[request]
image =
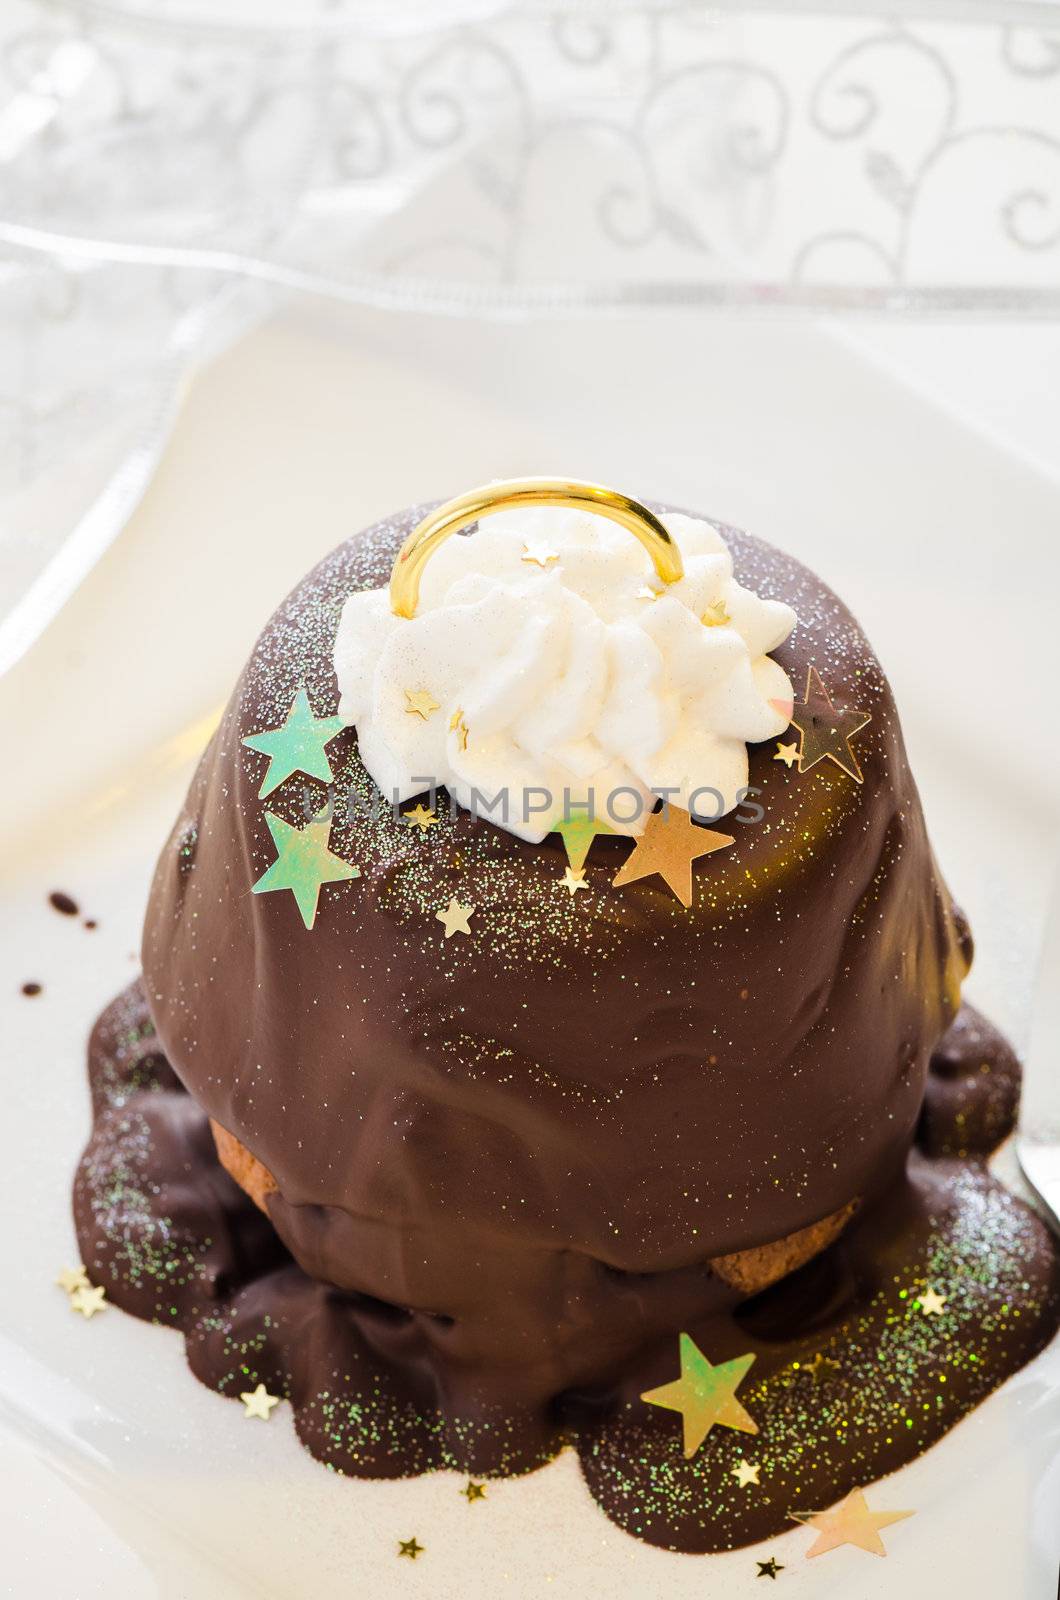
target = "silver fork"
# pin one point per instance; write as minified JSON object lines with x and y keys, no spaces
{"x":1038,"y":1133}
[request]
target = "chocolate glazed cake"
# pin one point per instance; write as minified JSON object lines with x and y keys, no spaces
{"x":456,"y":1191}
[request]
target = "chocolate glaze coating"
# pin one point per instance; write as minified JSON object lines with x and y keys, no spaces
{"x":850,"y":1378}
{"x":973,"y":1090}
{"x":534,"y":1139}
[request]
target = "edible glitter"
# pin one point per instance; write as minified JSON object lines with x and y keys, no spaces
{"x":155,"y":1238}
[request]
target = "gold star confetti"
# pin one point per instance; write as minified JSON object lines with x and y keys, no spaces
{"x":421,"y":817}
{"x":421,"y":703}
{"x":578,"y":833}
{"x":539,"y":555}
{"x":821,"y":1366}
{"x":88,"y":1301}
{"x":458,"y":725}
{"x":573,"y":881}
{"x":850,"y":1522}
{"x":410,"y":1548}
{"x":715,"y":616}
{"x":932,"y":1304}
{"x":704,"y":1394}
{"x":455,"y":917}
{"x":296,"y":747}
{"x":667,"y":847}
{"x":473,"y":1492}
{"x":71,"y":1278}
{"x":746,"y":1472}
{"x":827,"y":729}
{"x":769,"y":1569}
{"x":788,"y":753}
{"x":259,"y":1402}
{"x":303,"y":863}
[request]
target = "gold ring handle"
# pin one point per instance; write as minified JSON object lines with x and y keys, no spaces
{"x":477,"y":503}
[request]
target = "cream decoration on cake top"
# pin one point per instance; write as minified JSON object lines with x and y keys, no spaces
{"x":559,"y":665}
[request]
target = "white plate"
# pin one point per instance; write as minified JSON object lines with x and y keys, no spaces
{"x":121,"y":1475}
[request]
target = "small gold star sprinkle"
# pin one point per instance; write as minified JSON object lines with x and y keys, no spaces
{"x":827,"y":729}
{"x":458,"y":725}
{"x":704,"y":1394}
{"x":539,"y":555}
{"x":421,"y":817}
{"x":259,"y":1402}
{"x":850,"y":1522}
{"x":88,"y":1301}
{"x":769,"y":1569}
{"x":410,"y":1548}
{"x":788,"y":753}
{"x":455,"y":918}
{"x":573,"y":881}
{"x":71,"y":1278}
{"x":420,"y":703}
{"x":821,"y":1366}
{"x":473,"y":1492}
{"x":667,"y":847}
{"x":296,"y":747}
{"x":715,"y":616}
{"x":578,"y":833}
{"x":932,"y":1304}
{"x":746,"y":1472}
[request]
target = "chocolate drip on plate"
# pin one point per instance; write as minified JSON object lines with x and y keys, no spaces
{"x":851,"y":1378}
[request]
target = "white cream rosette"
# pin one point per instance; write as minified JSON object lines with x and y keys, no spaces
{"x":566,"y":673}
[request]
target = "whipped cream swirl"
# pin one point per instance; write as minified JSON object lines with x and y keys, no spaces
{"x":550,"y":666}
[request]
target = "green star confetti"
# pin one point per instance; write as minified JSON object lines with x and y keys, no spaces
{"x":296,"y":747}
{"x":303,"y":863}
{"x":704,"y":1394}
{"x":578,"y":834}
